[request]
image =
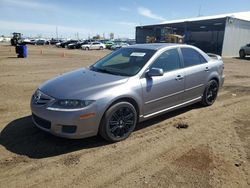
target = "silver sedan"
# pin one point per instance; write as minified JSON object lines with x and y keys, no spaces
{"x":127,"y":86}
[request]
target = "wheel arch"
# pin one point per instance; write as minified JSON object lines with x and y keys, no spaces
{"x":121,"y":99}
{"x":125,"y":99}
{"x":216,"y":79}
{"x":214,"y":76}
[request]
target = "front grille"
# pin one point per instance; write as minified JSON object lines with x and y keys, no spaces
{"x":41,"y":122}
{"x":39,"y":98}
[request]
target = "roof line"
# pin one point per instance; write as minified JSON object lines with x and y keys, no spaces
{"x":239,"y":15}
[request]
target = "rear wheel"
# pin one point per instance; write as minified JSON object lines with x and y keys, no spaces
{"x":210,"y":93}
{"x":87,"y":48}
{"x":101,"y":48}
{"x":118,"y":122}
{"x":242,"y":54}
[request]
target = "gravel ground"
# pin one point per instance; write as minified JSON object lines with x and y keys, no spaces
{"x":213,"y":151}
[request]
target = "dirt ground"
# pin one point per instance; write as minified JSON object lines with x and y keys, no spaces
{"x":214,"y":151}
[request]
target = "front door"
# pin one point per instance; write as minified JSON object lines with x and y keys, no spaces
{"x":162,"y":92}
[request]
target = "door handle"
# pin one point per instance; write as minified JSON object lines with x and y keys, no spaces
{"x":207,"y":69}
{"x":179,"y":77}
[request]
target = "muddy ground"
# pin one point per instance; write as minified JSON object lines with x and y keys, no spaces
{"x":214,"y":151}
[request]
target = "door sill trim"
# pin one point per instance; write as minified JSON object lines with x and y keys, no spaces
{"x":173,"y":107}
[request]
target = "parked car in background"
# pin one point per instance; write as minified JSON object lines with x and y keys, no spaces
{"x":54,"y":41}
{"x":65,"y":43}
{"x":108,"y":44}
{"x":244,"y":50}
{"x":126,"y":87}
{"x":40,"y":42}
{"x":27,"y":41}
{"x":93,"y":46}
{"x":76,"y":45}
{"x":119,"y":45}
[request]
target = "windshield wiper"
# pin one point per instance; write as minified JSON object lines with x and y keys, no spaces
{"x":98,"y":69}
{"x":106,"y":71}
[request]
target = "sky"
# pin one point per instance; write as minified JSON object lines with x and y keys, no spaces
{"x":86,"y":18}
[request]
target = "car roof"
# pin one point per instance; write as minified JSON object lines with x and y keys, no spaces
{"x":154,"y":46}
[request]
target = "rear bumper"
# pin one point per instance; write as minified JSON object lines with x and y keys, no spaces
{"x":222,"y":81}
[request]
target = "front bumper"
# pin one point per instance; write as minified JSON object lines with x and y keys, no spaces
{"x":66,"y":124}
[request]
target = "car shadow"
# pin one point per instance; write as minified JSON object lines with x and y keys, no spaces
{"x":166,"y":116}
{"x":246,"y":58}
{"x":22,"y":137}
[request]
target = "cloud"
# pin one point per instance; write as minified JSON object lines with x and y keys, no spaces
{"x":129,"y":24}
{"x":28,"y":4}
{"x":41,"y":28}
{"x":148,"y":13}
{"x":124,"y":9}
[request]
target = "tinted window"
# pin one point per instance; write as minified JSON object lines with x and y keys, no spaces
{"x":191,"y":57}
{"x":168,"y":60}
{"x":96,"y":43}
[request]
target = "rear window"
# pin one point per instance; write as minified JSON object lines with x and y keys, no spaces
{"x":191,"y":57}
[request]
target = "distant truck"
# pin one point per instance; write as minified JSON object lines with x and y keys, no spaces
{"x":165,"y":35}
{"x":244,"y":50}
{"x":16,"y":39}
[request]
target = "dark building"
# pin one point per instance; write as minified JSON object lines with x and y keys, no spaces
{"x":221,"y":34}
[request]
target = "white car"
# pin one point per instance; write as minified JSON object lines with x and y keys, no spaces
{"x":244,"y":50}
{"x":119,"y":45}
{"x":93,"y":46}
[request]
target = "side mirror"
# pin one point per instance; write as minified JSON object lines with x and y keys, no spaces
{"x":154,"y":72}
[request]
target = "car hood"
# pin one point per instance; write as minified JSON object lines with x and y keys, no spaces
{"x":80,"y":84}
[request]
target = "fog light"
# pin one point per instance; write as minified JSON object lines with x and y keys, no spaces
{"x":69,"y":129}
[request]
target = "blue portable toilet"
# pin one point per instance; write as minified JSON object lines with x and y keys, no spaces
{"x":25,"y":51}
{"x":21,"y":51}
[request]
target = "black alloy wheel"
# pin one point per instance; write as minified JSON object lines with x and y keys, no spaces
{"x":118,"y":122}
{"x":210,"y":93}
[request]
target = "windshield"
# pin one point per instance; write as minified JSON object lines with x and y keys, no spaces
{"x":124,"y":62}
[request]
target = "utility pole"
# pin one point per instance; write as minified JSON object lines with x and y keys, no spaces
{"x":56,"y":34}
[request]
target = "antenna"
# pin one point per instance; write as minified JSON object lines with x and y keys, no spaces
{"x":199,"y":12}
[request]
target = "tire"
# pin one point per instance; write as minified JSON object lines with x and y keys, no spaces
{"x":101,"y":48}
{"x":118,"y":122}
{"x":87,"y":48}
{"x":242,"y":54}
{"x":210,"y":93}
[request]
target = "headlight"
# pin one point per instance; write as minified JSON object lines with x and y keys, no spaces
{"x":69,"y":105}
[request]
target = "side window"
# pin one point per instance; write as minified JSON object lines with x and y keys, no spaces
{"x":168,"y":61}
{"x":202,"y":59}
{"x":191,"y":57}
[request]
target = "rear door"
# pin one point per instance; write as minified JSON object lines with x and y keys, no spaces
{"x":162,"y":92}
{"x":96,"y":45}
{"x":196,"y":70}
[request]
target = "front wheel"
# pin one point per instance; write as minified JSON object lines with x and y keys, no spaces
{"x":118,"y":122}
{"x":210,"y":93}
